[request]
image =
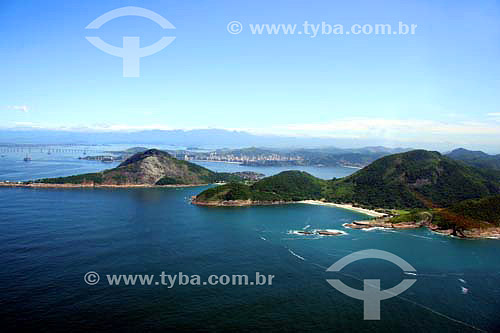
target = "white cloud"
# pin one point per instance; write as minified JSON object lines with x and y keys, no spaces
{"x":123,"y":127}
{"x":23,"y":108}
{"x":381,"y":127}
{"x":494,"y":114}
{"x":386,"y":129}
{"x":100,"y":127}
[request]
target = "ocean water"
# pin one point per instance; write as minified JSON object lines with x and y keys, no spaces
{"x":51,"y":237}
{"x":43,"y":165}
{"x":320,"y":172}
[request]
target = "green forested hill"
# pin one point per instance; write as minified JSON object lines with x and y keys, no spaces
{"x":417,"y":178}
{"x":413,"y":179}
{"x":485,"y":209}
{"x":285,"y":186}
{"x":292,"y":185}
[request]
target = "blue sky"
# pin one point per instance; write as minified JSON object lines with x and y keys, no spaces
{"x":439,"y":85}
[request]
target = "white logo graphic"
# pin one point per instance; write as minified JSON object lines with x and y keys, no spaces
{"x":371,"y":293}
{"x":234,"y":27}
{"x":91,"y":278}
{"x":131,"y":52}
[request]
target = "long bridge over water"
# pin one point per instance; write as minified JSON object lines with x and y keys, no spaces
{"x":48,"y":149}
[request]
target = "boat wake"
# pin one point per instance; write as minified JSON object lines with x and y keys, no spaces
{"x":296,"y":255}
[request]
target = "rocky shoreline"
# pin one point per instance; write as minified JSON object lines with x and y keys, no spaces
{"x":476,"y":233}
{"x":382,"y":223}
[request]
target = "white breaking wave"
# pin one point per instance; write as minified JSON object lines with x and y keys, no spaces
{"x":375,"y":228}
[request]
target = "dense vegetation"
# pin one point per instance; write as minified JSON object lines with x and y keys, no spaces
{"x":467,"y":214}
{"x":96,"y":178}
{"x":292,"y":186}
{"x":476,"y":158}
{"x":484,"y":209}
{"x":412,"y":216}
{"x":285,"y":186}
{"x":415,"y":179}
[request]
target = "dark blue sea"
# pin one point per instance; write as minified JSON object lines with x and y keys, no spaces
{"x":50,"y":238}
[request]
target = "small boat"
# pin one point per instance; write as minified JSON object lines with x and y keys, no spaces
{"x":27,"y":159}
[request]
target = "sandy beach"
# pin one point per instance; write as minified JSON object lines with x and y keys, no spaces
{"x":345,"y":206}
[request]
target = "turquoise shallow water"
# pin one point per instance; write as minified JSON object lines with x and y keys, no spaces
{"x":51,"y":237}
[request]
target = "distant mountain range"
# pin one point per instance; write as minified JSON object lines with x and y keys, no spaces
{"x":476,"y":158}
{"x":205,"y":138}
{"x":215,"y":138}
